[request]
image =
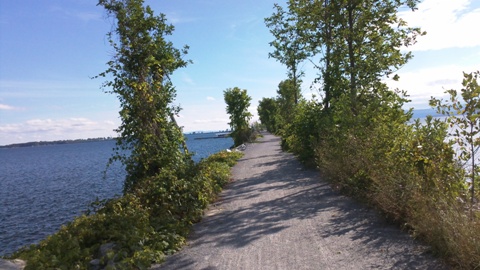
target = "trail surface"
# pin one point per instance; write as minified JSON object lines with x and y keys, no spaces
{"x":278,"y":215}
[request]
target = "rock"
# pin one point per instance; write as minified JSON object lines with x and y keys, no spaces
{"x":241,"y":147}
{"x":105,"y":248}
{"x":16,"y":264}
{"x":95,"y":264}
{"x":103,"y":262}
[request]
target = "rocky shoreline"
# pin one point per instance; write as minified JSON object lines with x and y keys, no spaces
{"x":12,"y":264}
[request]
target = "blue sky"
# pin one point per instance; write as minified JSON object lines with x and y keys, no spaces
{"x":49,"y":49}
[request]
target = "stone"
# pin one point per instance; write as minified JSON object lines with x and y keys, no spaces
{"x":16,"y":264}
{"x":95,"y":264}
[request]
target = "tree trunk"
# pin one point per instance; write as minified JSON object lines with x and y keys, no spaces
{"x":351,"y":55}
{"x":327,"y":72}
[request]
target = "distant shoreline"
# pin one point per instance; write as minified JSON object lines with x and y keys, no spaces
{"x":44,"y":143}
{"x":100,"y":139}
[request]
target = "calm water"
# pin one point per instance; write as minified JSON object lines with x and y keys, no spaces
{"x":43,"y":187}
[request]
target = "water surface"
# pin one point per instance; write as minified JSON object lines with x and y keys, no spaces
{"x":43,"y":187}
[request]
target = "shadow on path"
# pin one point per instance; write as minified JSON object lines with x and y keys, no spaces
{"x":271,"y":193}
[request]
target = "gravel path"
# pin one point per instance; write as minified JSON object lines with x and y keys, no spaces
{"x":278,"y":215}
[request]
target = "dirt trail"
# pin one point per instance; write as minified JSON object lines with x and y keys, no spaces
{"x":277,"y":215}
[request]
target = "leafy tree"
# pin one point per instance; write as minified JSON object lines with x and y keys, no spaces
{"x":464,"y":116}
{"x":268,"y":113}
{"x":301,"y":134}
{"x":238,"y":102}
{"x":287,"y":94}
{"x":289,"y":48}
{"x":140,"y":68}
{"x":358,"y":42}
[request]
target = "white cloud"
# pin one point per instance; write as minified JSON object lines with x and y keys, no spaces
{"x":55,"y":129}
{"x":210,"y":98}
{"x":48,"y":88}
{"x":187,"y":79}
{"x":208,"y":116}
{"x":421,"y":84}
{"x":108,"y":122}
{"x":449,"y":24}
{"x":175,"y":18}
{"x":85,"y":16}
{"x":213,"y":120}
{"x":5,"y":107}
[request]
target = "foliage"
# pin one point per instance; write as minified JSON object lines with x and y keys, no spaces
{"x":268,"y":114}
{"x":451,"y":232}
{"x":288,"y":46}
{"x":303,"y":131}
{"x":140,"y":68}
{"x":164,"y":191}
{"x":137,"y":224}
{"x":359,"y":135}
{"x":357,"y":42}
{"x":238,"y":101}
{"x":277,"y":114}
{"x":287,"y":95}
{"x":398,"y":167}
{"x":464,"y":118}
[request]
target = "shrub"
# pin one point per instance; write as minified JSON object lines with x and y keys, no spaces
{"x":407,"y":171}
{"x":143,"y":226}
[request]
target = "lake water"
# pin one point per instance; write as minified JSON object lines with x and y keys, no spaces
{"x":44,"y":187}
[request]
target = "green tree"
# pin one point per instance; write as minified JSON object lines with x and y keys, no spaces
{"x":268,"y":113}
{"x":287,"y":93}
{"x":288,"y":46}
{"x":464,"y":117}
{"x":358,"y":42}
{"x":238,"y":102}
{"x":139,"y":70}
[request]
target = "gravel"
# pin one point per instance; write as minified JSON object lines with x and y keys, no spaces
{"x":278,"y":215}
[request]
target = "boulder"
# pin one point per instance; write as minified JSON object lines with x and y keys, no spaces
{"x":96,"y":264}
{"x":12,"y":264}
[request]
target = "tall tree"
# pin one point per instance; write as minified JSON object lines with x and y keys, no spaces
{"x":289,"y":49}
{"x":359,"y":42}
{"x":268,"y":113}
{"x":313,"y":20}
{"x":288,"y":91}
{"x":238,"y":102}
{"x":464,"y":118}
{"x":140,"y":68}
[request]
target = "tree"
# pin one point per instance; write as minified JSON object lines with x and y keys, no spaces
{"x":358,"y":42}
{"x":139,"y":70}
{"x":289,"y":48}
{"x":287,"y":93}
{"x":238,"y":102}
{"x":464,"y":117}
{"x":268,"y":113}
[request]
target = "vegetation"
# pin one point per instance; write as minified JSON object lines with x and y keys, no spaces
{"x":141,"y":233}
{"x":140,"y":70}
{"x":358,"y":133}
{"x":238,"y":102}
{"x":268,"y":114}
{"x":164,"y":191}
{"x":289,"y":50}
{"x":464,"y":118}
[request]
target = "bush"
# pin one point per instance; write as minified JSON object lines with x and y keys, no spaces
{"x":142,"y":226}
{"x":450,"y":230}
{"x":300,"y":136}
{"x":407,"y":171}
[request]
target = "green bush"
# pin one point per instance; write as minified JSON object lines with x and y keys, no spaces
{"x":406,"y":170}
{"x":300,"y":136}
